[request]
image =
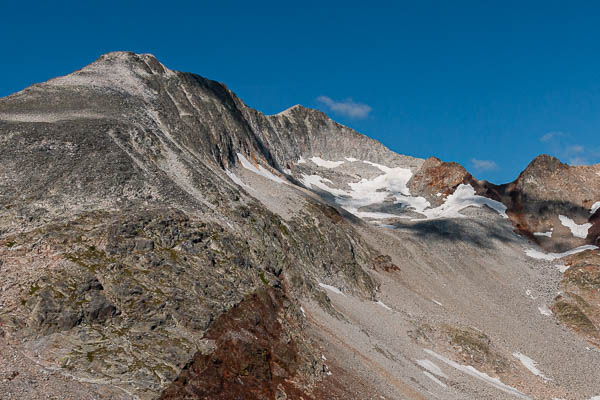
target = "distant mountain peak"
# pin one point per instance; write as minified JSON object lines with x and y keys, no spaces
{"x":299,"y":110}
{"x":115,"y":61}
{"x":545,"y":160}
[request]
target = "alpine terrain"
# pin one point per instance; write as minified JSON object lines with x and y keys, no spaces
{"x":159,"y":239}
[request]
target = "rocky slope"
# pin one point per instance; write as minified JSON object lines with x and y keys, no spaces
{"x":159,"y":238}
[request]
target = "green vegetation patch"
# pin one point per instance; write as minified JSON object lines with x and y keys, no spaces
{"x":34,"y":289}
{"x":573,"y":316}
{"x":264,"y":280}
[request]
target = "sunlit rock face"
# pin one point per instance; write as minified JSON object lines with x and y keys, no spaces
{"x":159,"y":238}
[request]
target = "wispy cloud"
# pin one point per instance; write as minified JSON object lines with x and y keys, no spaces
{"x":484,"y":165}
{"x":578,"y":161}
{"x":347,"y":107}
{"x":561,"y":145}
{"x":575,"y":149}
{"x":552,"y":136}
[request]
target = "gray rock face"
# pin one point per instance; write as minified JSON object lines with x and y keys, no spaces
{"x":142,"y":208}
{"x":114,"y":176}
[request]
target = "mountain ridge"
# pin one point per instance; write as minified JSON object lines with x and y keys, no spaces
{"x":143,"y":208}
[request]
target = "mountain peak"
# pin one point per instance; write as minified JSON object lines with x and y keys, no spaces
{"x":290,"y":109}
{"x":545,"y":159}
{"x":300,"y":110}
{"x":544,"y":164}
{"x":147,"y":62}
{"x":123,"y":71}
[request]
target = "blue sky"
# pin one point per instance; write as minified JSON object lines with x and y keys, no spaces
{"x":487,"y":84}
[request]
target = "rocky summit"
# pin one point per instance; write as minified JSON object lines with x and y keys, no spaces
{"x":161,"y":239}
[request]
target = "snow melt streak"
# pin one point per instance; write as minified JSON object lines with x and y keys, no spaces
{"x":260,"y":170}
{"x":331,"y":288}
{"x":553,"y":256}
{"x":469,"y":370}
{"x":530,"y":364}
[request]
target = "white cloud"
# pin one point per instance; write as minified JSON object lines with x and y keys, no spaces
{"x":484,"y":165}
{"x":346,"y":107}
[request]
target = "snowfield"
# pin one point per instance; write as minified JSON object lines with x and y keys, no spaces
{"x":464,"y":196}
{"x":324,"y":163}
{"x":392,"y":186}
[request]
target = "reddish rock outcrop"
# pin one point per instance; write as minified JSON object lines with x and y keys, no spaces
{"x":254,"y":354}
{"x":436,"y":176}
{"x":546,"y":189}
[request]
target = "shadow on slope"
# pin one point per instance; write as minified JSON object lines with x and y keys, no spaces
{"x":480,"y":233}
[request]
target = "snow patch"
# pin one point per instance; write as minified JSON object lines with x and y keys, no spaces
{"x":351,"y":159}
{"x":260,"y":170}
{"x":319,"y":182}
{"x":544,"y":310}
{"x":436,"y":380}
{"x":325,"y":163}
{"x":553,"y":256}
{"x":595,"y":207}
{"x":431,"y":367}
{"x":237,"y":180}
{"x":469,"y":370}
{"x":562,"y":268}
{"x":301,"y":160}
{"x":530,"y":364}
{"x":547,"y":234}
{"x":379,"y":302}
{"x":437,"y":302}
{"x":331,"y":288}
{"x":580,"y":231}
{"x":464,"y":196}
